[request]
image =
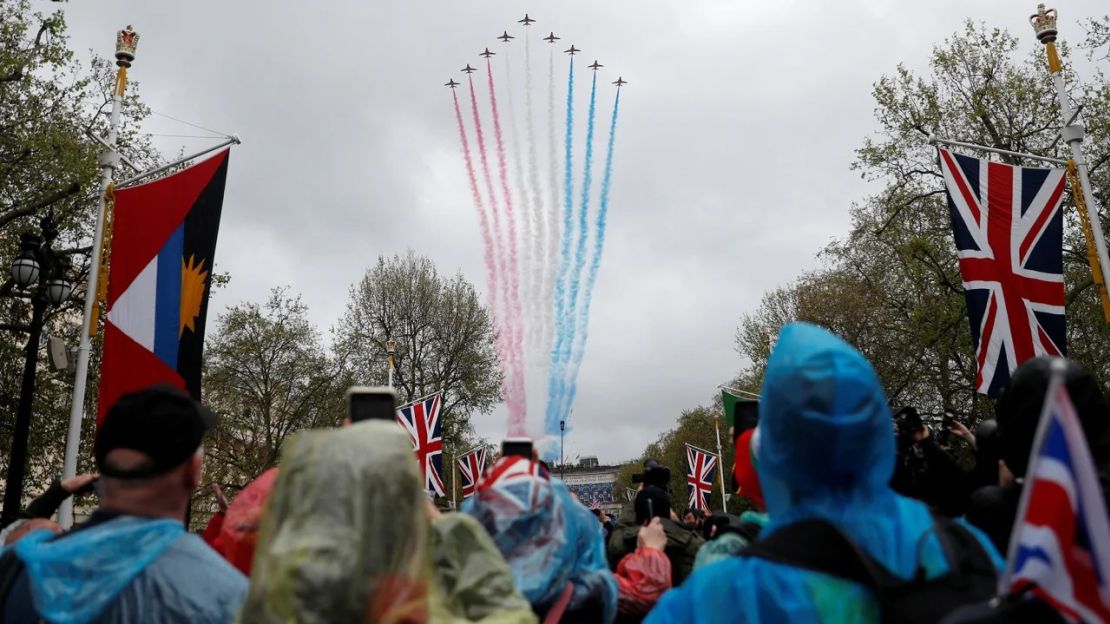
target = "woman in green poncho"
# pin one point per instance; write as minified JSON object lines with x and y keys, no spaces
{"x":345,"y":538}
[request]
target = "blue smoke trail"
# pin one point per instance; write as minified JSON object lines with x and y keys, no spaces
{"x":554,"y":379}
{"x":579,"y":253}
{"x":595,"y":264}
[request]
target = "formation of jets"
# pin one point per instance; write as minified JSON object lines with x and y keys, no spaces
{"x":505,"y":37}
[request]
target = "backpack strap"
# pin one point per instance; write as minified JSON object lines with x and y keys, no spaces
{"x":819,"y":546}
{"x":10,"y":568}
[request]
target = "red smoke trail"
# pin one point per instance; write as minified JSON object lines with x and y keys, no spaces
{"x":504,"y":329}
{"x":483,"y":217}
{"x":513,"y":311}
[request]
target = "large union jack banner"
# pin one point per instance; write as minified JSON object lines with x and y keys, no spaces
{"x":699,"y":477}
{"x":421,"y":420}
{"x":1008,"y":227}
{"x":471,"y":466}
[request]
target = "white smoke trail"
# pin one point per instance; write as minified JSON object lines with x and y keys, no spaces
{"x":551,"y":221}
{"x":527,"y":258}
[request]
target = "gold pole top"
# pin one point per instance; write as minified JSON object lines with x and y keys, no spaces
{"x":126,"y":41}
{"x":1044,"y":24}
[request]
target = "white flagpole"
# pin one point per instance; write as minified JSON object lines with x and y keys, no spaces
{"x":720,"y":464}
{"x":1044,"y":24}
{"x":126,"y":40}
{"x":390,"y":349}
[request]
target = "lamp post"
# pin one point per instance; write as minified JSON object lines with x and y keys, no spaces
{"x":37,"y":266}
{"x":562,"y":457}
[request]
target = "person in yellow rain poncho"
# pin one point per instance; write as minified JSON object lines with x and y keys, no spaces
{"x":347,"y":537}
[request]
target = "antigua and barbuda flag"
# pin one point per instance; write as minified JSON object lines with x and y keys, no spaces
{"x":162,"y":250}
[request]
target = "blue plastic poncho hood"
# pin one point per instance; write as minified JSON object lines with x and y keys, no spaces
{"x":826,"y":439}
{"x":73,"y":580}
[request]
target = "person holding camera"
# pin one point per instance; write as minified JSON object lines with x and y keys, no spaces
{"x":924,"y":470}
{"x":654,"y":501}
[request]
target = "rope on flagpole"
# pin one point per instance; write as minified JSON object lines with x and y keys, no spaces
{"x":1089,"y":235}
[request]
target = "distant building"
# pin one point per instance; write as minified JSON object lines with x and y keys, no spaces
{"x":593,"y":483}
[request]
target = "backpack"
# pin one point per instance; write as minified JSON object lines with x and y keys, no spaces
{"x":819,"y":546}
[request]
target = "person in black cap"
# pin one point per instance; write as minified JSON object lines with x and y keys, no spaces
{"x":132,"y":560}
{"x":682,"y":543}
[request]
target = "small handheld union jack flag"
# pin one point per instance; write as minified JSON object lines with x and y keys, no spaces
{"x":1008,"y":227}
{"x":699,"y":478}
{"x":471,"y":466}
{"x":421,"y":420}
{"x":1060,"y":547}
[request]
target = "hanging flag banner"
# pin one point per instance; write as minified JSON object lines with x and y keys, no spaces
{"x":421,"y":420}
{"x":162,"y":253}
{"x":699,"y":476}
{"x":471,"y":466}
{"x":1008,"y":227}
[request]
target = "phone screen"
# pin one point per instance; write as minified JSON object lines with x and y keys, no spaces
{"x":370,"y":405}
{"x":516,"y":446}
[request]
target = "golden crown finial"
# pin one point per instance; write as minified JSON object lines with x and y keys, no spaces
{"x":1044,"y":24}
{"x":126,"y":41}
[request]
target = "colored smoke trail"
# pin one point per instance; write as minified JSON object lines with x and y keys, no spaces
{"x":575,"y":280}
{"x":554,"y":380}
{"x":516,"y":399}
{"x":483,"y":217}
{"x":497,"y":287}
{"x":537,"y":252}
{"x":525,"y":258}
{"x":583,"y":331}
{"x":551,"y":222}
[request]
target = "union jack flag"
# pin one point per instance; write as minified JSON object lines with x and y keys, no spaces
{"x":471,"y":466}
{"x":1008,"y":227}
{"x":699,"y":478}
{"x":518,"y":482}
{"x":421,"y":420}
{"x":1060,"y":548}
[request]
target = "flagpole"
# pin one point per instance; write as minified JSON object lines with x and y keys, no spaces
{"x":720,"y":463}
{"x":390,"y":349}
{"x":454,"y":482}
{"x":1044,"y":24}
{"x":126,"y":41}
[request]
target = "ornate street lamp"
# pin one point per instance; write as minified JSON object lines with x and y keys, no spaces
{"x":37,"y":266}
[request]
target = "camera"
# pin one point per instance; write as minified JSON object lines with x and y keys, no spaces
{"x":656,"y":474}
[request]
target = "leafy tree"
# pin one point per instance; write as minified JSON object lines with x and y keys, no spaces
{"x":892,"y":286}
{"x":445,"y":341}
{"x":696,"y":427}
{"x":267,"y":375}
{"x":49,"y":103}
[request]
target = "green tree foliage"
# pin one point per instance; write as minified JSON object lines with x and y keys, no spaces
{"x":892,"y":286}
{"x":445,"y":342}
{"x":267,"y":374}
{"x":49,"y":102}
{"x":696,"y":427}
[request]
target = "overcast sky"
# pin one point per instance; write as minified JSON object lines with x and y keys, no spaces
{"x":731,"y":169}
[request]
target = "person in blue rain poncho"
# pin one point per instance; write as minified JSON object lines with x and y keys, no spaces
{"x":554,"y":546}
{"x":826,"y":452}
{"x":132,"y":560}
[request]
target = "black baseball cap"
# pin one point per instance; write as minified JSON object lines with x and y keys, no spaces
{"x":161,"y":422}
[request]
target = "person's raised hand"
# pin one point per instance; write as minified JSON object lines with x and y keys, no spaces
{"x":73,"y":485}
{"x":433,"y":512}
{"x":962,"y":431}
{"x":221,"y":500}
{"x":921,"y":434}
{"x":651,"y":535}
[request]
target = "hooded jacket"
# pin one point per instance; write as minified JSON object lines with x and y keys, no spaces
{"x":122,"y":569}
{"x":345,"y":538}
{"x":826,"y":451}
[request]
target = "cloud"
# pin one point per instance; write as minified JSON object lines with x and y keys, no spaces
{"x":732,"y":168}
